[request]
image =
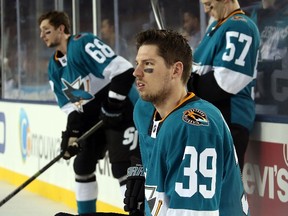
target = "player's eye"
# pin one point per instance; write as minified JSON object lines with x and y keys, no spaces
{"x":207,"y":5}
{"x":47,"y":32}
{"x":148,"y":63}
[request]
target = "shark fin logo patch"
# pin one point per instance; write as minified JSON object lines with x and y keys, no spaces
{"x":195,"y":117}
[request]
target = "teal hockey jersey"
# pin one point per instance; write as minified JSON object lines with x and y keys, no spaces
{"x":230,"y":52}
{"x":189,"y":160}
{"x":89,"y":66}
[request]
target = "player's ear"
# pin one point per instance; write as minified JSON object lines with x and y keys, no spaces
{"x":177,"y":69}
{"x":62,"y":28}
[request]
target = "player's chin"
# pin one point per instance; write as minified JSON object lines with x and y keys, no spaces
{"x":141,"y":90}
{"x":48,"y":44}
{"x":146,"y":97}
{"x":143,"y":95}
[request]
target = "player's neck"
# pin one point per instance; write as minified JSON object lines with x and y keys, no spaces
{"x":231,"y":8}
{"x":62,"y":47}
{"x":167,"y":105}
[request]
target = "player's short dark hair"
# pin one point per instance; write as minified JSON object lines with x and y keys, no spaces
{"x":57,"y":18}
{"x":172,"y":46}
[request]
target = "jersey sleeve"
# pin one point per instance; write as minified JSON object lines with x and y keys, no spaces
{"x":236,"y":54}
{"x":102,"y":61}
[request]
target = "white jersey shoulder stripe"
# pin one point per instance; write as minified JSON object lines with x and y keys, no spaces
{"x":116,"y":67}
{"x":231,"y":81}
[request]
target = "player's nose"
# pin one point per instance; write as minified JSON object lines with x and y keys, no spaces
{"x":138,"y":71}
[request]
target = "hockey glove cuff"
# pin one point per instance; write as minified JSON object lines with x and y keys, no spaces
{"x":134,"y":195}
{"x":112,"y":113}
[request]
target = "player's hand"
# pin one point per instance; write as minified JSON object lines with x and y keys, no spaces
{"x":112,"y":113}
{"x":69,"y":145}
{"x":134,"y":195}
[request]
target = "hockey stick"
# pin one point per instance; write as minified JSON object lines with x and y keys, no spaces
{"x":79,"y":140}
{"x":157,"y":14}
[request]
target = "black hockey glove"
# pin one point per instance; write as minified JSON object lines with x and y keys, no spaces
{"x":68,"y":144}
{"x":134,"y":195}
{"x":112,"y":113}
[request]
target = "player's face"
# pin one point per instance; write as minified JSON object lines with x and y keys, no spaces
{"x":50,"y":35}
{"x":217,"y":9}
{"x":207,"y":5}
{"x":153,"y":76}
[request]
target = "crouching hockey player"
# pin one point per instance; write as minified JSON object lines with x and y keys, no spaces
{"x":90,"y":83}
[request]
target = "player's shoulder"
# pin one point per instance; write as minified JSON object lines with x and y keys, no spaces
{"x":82,"y":36}
{"x":77,"y":43}
{"x":206,"y":106}
{"x":241,"y":23}
{"x":199,"y":113}
{"x":143,"y":107}
{"x":142,"y":114}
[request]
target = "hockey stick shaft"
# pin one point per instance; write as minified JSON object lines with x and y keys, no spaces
{"x":157,"y":14}
{"x":32,"y":178}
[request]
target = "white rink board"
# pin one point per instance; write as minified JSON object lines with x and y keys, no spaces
{"x":30,"y":136}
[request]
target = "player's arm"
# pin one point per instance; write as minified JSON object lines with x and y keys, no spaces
{"x":74,"y":129}
{"x":206,"y":87}
{"x":120,"y":73}
{"x":74,"y":125}
{"x":122,"y":83}
{"x":113,"y":107}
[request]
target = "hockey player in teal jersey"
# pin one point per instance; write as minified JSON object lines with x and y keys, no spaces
{"x":91,"y":83}
{"x":224,"y":69}
{"x":187,"y":150}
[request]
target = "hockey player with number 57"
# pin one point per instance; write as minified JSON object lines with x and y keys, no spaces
{"x":91,"y":83}
{"x":224,"y":69}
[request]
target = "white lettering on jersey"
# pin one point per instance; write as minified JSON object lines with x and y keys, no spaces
{"x":99,"y":51}
{"x":131,"y":137}
{"x":207,"y":170}
{"x":243,"y":38}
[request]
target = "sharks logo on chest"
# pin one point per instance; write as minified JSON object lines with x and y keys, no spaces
{"x":77,"y":92}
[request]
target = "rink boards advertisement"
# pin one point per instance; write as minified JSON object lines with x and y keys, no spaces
{"x":30,"y":136}
{"x":265,"y":173}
